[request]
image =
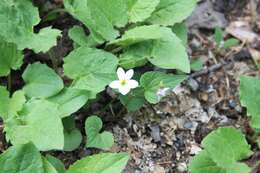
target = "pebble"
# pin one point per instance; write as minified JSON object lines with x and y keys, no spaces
{"x":194,"y":149}
{"x":177,"y":90}
{"x":159,"y":169}
{"x":232,"y":104}
{"x":193,"y":84}
{"x":224,"y":120}
{"x":155,"y":133}
{"x":192,"y":126}
{"x":182,"y":167}
{"x":213,"y":113}
{"x":188,"y":125}
{"x":238,"y":108}
{"x":204,"y":97}
{"x":204,"y":118}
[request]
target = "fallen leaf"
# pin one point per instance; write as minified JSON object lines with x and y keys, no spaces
{"x":242,"y":31}
{"x":256,"y":56}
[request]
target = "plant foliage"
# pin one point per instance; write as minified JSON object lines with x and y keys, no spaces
{"x":40,"y":115}
{"x":223,"y":149}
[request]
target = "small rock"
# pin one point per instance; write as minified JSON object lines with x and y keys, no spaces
{"x":213,"y":113}
{"x":182,"y":167}
{"x":194,"y":149}
{"x":159,"y":169}
{"x":178,"y":89}
{"x":204,"y":97}
{"x":232,"y":104}
{"x":179,"y":122}
{"x":192,"y":126}
{"x":188,"y":125}
{"x":223,"y":120}
{"x":204,"y":118}
{"x":210,"y":89}
{"x":178,"y":155}
{"x":193,"y":84}
{"x":155,"y":133}
{"x":238,"y":108}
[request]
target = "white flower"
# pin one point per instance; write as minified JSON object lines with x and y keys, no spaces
{"x":125,"y":83}
{"x":162,"y":92}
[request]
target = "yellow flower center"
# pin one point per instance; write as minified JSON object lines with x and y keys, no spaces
{"x":123,"y":82}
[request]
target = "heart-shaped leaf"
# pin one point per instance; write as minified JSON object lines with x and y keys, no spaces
{"x":25,"y":159}
{"x":104,"y":140}
{"x":100,"y":163}
{"x":56,"y":163}
{"x":72,"y":136}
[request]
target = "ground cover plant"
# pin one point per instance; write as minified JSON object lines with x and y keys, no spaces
{"x":123,"y":34}
{"x":127,"y":54}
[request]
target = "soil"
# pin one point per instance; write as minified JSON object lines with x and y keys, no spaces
{"x":162,"y":138}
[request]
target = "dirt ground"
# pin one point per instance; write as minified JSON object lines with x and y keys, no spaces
{"x":163,"y":138}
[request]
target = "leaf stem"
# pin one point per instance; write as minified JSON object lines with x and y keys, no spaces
{"x":58,"y":10}
{"x":9,"y":82}
{"x":53,"y":61}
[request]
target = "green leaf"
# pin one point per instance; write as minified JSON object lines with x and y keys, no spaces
{"x":70,"y":100}
{"x":223,"y":148}
{"x":38,"y":122}
{"x":10,"y":58}
{"x":218,"y":36}
{"x":10,"y":106}
{"x":23,"y":159}
{"x":181,"y":31}
{"x":135,"y":55}
{"x":169,"y":12}
{"x":130,"y":4}
{"x":103,"y":140}
{"x":230,"y":42}
{"x":47,"y":37}
{"x":163,"y":49}
{"x":73,"y":140}
{"x":16,"y":103}
{"x":41,"y":81}
{"x":134,"y":100}
{"x":203,"y":163}
{"x":17,"y":21}
{"x":4,"y":100}
{"x":153,"y":81}
{"x":250,"y":98}
{"x":142,"y":9}
{"x":72,"y":135}
{"x":139,"y":34}
{"x":230,"y":142}
{"x":91,"y":69}
{"x":48,"y":168}
{"x":94,"y":83}
{"x":56,"y":163}
{"x":78,"y":35}
{"x":101,"y":163}
{"x":100,"y":16}
{"x":169,"y":52}
{"x":196,"y":65}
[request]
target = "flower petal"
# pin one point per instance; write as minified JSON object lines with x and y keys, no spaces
{"x":132,"y":84}
{"x":121,"y":73}
{"x":115,"y":84}
{"x":124,"y":90}
{"x":129,"y":74}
